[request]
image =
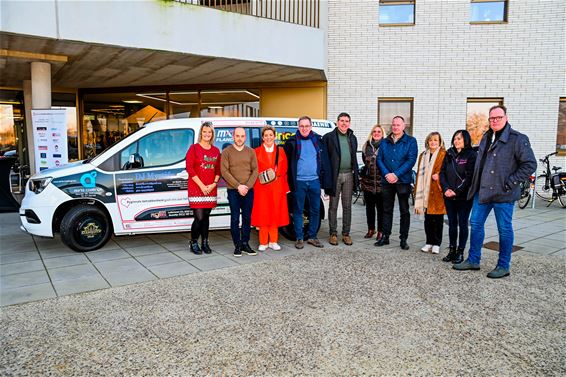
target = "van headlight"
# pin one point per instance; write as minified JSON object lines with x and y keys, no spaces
{"x":37,"y":185}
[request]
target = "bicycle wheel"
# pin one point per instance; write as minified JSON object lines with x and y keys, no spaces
{"x":562,"y":198}
{"x":542,"y":190}
{"x":525,"y":195}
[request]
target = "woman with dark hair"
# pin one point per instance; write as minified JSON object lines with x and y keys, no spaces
{"x":370,"y":182}
{"x":455,"y":179}
{"x":428,"y":193}
{"x":203,"y":167}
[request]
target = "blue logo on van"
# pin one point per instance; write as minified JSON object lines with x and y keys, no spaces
{"x":88,"y":180}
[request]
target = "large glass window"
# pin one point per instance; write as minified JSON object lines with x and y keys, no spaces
{"x":396,"y":12}
{"x":12,"y":126}
{"x":488,"y":11}
{"x":561,"y":132}
{"x":477,"y":114}
{"x":387,"y":108}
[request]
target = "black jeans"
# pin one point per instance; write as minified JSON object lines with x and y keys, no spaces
{"x":374,"y":202}
{"x":403,"y":191}
{"x":433,"y":225}
{"x":458,"y":212}
{"x":243,"y":204}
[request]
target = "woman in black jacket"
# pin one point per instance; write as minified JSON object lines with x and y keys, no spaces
{"x":455,"y":179}
{"x":370,"y":182}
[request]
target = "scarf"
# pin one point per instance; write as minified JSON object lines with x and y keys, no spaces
{"x":424,"y":178}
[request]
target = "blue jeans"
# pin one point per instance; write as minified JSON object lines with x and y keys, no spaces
{"x":503,"y":217}
{"x":244,"y":204}
{"x":307,"y":190}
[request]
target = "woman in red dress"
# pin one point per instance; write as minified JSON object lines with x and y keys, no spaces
{"x":270,"y":200}
{"x":203,"y":166}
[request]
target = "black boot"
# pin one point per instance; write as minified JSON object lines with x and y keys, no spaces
{"x":459,"y":256}
{"x":382,"y":241}
{"x":451,"y":255}
{"x":403,"y":244}
{"x":205,"y":246}
{"x":194,"y":247}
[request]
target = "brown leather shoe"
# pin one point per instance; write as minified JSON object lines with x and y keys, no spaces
{"x":370,"y":233}
{"x":347,"y":239}
{"x":333,"y":240}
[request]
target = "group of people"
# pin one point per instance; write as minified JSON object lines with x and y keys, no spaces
{"x":454,"y":182}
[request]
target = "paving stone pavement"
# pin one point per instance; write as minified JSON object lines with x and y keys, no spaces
{"x":35,"y":268}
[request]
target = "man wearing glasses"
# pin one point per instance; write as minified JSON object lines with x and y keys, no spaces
{"x":303,"y":151}
{"x":505,"y":158}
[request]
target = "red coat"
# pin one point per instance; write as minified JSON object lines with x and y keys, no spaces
{"x":270,"y":200}
{"x":205,"y":164}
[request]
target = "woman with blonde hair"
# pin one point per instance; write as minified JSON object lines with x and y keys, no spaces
{"x":270,"y":210}
{"x":429,"y":197}
{"x":203,"y":167}
{"x":370,"y":182}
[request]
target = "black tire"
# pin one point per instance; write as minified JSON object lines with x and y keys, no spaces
{"x":541,"y":190}
{"x":525,"y":194}
{"x":85,"y":228}
{"x":288,"y":231}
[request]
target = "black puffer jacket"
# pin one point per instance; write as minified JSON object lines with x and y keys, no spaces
{"x":371,"y":181}
{"x":457,"y":172}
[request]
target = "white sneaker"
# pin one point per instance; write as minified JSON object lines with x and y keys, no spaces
{"x":435,"y":249}
{"x":262,"y":247}
{"x":275,"y":246}
{"x":426,"y":248}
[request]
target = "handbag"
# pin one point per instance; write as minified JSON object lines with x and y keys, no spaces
{"x":268,"y":175}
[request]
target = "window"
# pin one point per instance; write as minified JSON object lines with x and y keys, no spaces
{"x":477,"y":114}
{"x":488,"y":11}
{"x":387,"y":108}
{"x":396,"y":12}
{"x":561,"y":132}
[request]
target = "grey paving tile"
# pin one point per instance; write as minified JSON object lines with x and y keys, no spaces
{"x":187,"y":255}
{"x":44,"y":244}
{"x":145,"y":250}
{"x":173,"y":269}
{"x":103,"y":255}
{"x":561,"y":253}
{"x":70,"y":260}
{"x":167,"y":237}
{"x":128,"y":242}
{"x":19,"y":267}
{"x":26,"y":294}
{"x":84,"y":284}
{"x":19,"y":257}
{"x":23,"y":279}
{"x":156,"y":259}
{"x":111,"y":245}
{"x":177,"y":245}
{"x":214,"y":262}
{"x":118,"y":265}
{"x":9,"y":246}
{"x":56,"y":253}
{"x":72,"y":272}
{"x":125,"y":277}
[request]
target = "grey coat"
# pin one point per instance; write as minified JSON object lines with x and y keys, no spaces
{"x":509,"y":161}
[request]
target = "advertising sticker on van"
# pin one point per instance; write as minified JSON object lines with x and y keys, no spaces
{"x":93,"y":184}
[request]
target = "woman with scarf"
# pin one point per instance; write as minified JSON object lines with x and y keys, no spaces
{"x":455,"y":179}
{"x":370,"y":182}
{"x":429,"y":198}
{"x":270,"y":210}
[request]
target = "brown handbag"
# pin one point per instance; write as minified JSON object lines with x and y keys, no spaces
{"x":268,"y":175}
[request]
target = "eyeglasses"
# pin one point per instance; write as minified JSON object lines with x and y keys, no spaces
{"x":494,"y":119}
{"x":309,"y":126}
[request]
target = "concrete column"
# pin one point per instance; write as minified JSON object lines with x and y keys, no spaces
{"x":41,"y":85}
{"x":30,"y":150}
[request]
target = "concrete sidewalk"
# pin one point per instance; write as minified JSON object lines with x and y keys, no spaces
{"x":34,"y":268}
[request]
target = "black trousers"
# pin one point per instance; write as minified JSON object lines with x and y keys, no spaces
{"x":403,"y":191}
{"x":433,"y":225}
{"x":458,"y":212}
{"x":374,"y":202}
{"x":200,"y":223}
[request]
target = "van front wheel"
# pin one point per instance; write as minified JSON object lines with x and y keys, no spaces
{"x":85,"y":228}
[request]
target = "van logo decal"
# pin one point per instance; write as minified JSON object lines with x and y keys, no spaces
{"x":88,"y":180}
{"x":125,"y":202}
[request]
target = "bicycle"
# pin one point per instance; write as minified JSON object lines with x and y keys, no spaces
{"x":526,"y":188}
{"x":551,"y":186}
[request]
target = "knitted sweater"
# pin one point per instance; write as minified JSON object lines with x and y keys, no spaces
{"x":239,"y":167}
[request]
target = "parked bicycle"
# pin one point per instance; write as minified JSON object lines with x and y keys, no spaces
{"x":551,"y":185}
{"x":526,"y":188}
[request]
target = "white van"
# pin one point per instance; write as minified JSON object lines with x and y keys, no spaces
{"x":139,"y":185}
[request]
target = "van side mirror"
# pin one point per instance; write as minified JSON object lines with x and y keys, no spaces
{"x":134,"y":162}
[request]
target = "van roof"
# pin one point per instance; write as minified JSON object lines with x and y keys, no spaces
{"x":243,"y":122}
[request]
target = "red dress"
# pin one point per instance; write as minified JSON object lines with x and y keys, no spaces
{"x":270,"y":200}
{"x":205,"y":164}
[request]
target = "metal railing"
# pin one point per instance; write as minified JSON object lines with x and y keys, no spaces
{"x":300,"y":12}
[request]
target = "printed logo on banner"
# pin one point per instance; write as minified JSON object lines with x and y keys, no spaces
{"x":57,"y":163}
{"x":42,"y":168}
{"x":56,"y":147}
{"x":56,"y":134}
{"x":42,"y":147}
{"x":43,"y":162}
{"x":41,"y":128}
{"x":56,"y":155}
{"x":43,"y":155}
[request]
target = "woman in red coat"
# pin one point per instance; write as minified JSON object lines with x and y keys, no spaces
{"x":203,"y":166}
{"x":270,"y":200}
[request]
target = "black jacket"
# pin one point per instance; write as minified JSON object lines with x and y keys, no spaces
{"x":332,"y":148}
{"x":290,"y":149}
{"x":457,"y":172}
{"x":508,"y":162}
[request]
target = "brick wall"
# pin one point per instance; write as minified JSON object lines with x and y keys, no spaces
{"x":443,"y":59}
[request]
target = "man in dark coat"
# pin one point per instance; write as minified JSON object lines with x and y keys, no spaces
{"x":341,"y":146}
{"x":505,"y":159}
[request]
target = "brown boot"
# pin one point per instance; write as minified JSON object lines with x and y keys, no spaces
{"x":347,"y":239}
{"x":333,"y":240}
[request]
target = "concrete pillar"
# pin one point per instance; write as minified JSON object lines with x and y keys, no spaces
{"x":30,"y":149}
{"x":41,"y":85}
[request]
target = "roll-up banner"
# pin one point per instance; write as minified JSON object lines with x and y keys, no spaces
{"x":50,"y":138}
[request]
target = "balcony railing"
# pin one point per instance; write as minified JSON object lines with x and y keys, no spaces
{"x":301,"y":12}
